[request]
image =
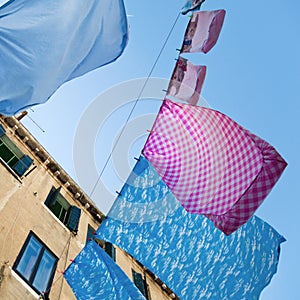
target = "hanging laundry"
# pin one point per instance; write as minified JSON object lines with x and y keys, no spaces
{"x":191,"y":256}
{"x":43,"y":45}
{"x":202,"y":155}
{"x":210,"y":163}
{"x":203,"y":31}
{"x":186,"y":81}
{"x":191,"y":5}
{"x":94,"y":275}
{"x":240,"y":213}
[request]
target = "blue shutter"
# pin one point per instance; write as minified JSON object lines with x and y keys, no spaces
{"x":73,"y":218}
{"x":2,"y":130}
{"x":22,"y":165}
{"x":52,"y":196}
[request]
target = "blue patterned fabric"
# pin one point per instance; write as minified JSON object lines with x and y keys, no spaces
{"x":94,"y":275}
{"x":46,"y":43}
{"x":186,"y":251}
{"x":191,"y":5}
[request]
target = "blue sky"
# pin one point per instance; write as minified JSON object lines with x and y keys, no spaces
{"x":253,"y":74}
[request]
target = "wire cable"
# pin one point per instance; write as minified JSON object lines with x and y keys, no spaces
{"x":134,"y":105}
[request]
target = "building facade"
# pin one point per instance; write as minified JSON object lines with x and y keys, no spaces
{"x":45,"y":220}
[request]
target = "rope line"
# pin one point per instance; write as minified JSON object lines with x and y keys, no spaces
{"x":134,"y":106}
{"x":67,"y":245}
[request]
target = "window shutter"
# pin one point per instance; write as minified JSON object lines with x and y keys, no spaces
{"x":73,"y":218}
{"x":22,"y":165}
{"x":139,"y":282}
{"x":52,"y":196}
{"x":2,"y":130}
{"x":110,"y":250}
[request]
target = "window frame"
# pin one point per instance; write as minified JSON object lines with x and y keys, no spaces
{"x":90,"y":235}
{"x":37,"y":263}
{"x":110,"y":250}
{"x":14,"y":156}
{"x":17,"y":162}
{"x":71,"y":216}
{"x":140,"y":282}
{"x":108,"y":247}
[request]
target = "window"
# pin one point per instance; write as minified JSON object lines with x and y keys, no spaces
{"x":36,"y":264}
{"x":90,"y":235}
{"x":110,"y":250}
{"x":107,"y":246}
{"x":66,"y":213}
{"x":141,"y":284}
{"x":12,"y":155}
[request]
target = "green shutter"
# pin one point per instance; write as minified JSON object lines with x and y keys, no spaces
{"x":73,"y":218}
{"x":12,"y":147}
{"x":22,"y":165}
{"x":2,"y":130}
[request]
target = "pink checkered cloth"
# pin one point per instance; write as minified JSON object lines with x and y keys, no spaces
{"x":241,"y":212}
{"x":209,"y":162}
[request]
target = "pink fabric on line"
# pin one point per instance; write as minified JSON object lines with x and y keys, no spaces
{"x":240,"y":213}
{"x":206,"y":159}
{"x":203,"y":31}
{"x":186,"y":81}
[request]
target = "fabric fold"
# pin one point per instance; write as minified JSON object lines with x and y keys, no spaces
{"x":191,"y":5}
{"x":211,"y":164}
{"x":94,"y":275}
{"x":203,"y":31}
{"x":192,"y":257}
{"x":240,"y":213}
{"x":186,"y":81}
{"x":43,"y":46}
